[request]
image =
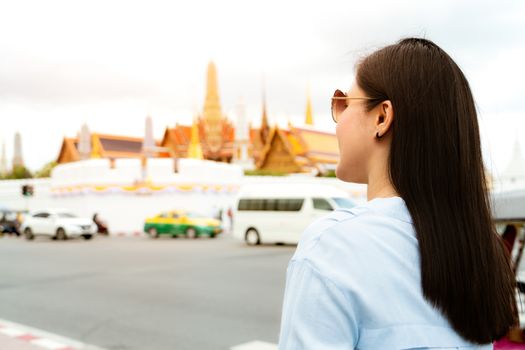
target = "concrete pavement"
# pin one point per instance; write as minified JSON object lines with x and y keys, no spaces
{"x":9,"y":343}
{"x":138,"y":293}
{"x":15,"y":336}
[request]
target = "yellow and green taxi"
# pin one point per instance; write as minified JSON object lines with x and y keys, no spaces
{"x":177,"y":223}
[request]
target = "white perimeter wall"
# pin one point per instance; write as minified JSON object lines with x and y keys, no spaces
{"x":125,"y":212}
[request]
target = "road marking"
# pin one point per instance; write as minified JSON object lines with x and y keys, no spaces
{"x":255,"y":345}
{"x":42,"y":339}
{"x":27,"y":337}
{"x":11,"y":332}
{"x":49,"y":344}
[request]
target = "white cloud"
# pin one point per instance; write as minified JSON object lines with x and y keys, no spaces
{"x":111,"y":62}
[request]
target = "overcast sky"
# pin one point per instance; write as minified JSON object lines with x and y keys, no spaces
{"x":110,"y":63}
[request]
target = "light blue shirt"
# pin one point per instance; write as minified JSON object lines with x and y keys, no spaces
{"x":354,"y":283}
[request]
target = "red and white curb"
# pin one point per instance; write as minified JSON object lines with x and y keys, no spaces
{"x":255,"y":345}
{"x":41,"y":339}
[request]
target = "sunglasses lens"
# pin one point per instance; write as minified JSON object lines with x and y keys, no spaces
{"x":334,"y":107}
{"x":338,"y":105}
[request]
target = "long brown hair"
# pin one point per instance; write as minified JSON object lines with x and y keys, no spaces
{"x":436,"y":166}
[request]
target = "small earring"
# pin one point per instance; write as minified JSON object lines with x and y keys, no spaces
{"x":377,"y":135}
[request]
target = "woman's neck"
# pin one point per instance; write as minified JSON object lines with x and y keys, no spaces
{"x":383,"y":193}
{"x":379,"y":185}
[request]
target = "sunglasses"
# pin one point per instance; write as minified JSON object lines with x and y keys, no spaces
{"x":339,"y":103}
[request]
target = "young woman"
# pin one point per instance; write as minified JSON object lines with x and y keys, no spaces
{"x":420,"y":264}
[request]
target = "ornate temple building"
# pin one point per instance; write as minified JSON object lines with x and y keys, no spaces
{"x":213,"y":136}
{"x":102,"y":146}
{"x":299,"y":150}
{"x":211,"y":130}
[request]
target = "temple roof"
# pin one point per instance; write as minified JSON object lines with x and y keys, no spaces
{"x":113,"y":143}
{"x":116,"y":146}
{"x":181,"y":134}
{"x":103,"y":146}
{"x":306,"y":145}
{"x":283,"y":135}
{"x":68,"y":150}
{"x":315,"y":144}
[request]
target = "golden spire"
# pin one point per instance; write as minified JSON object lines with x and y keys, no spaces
{"x":309,"y":118}
{"x":195,"y":149}
{"x":212,"y":114}
{"x":264,"y":122}
{"x":265,"y":127}
{"x":212,"y":105}
{"x":96,"y":147}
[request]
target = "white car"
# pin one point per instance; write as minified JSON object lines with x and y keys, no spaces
{"x":57,"y":224}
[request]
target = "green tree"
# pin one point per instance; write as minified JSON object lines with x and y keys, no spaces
{"x":329,"y":173}
{"x":19,"y":172}
{"x":46,"y":169}
{"x":261,"y":172}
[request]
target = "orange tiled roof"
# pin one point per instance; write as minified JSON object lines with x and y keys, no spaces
{"x":181,"y":134}
{"x":118,"y":137}
{"x":123,"y":138}
{"x":68,"y":150}
{"x":317,"y":143}
{"x":117,"y":144}
{"x":296,"y":144}
{"x":282,"y":134}
{"x":112,"y":146}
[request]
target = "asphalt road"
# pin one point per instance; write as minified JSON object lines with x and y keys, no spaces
{"x":140,"y":293}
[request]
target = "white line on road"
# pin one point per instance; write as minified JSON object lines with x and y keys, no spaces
{"x":42,"y":338}
{"x":12,"y":332}
{"x":255,"y":345}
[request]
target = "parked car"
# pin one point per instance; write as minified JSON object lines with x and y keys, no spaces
{"x":9,"y":222}
{"x":58,"y":224}
{"x":280,"y":212}
{"x":176,"y":223}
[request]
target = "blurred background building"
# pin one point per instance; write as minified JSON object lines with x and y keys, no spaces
{"x":214,"y":136}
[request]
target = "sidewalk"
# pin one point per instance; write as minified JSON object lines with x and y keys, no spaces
{"x":14,"y":336}
{"x":9,"y":343}
{"x":14,"y":339}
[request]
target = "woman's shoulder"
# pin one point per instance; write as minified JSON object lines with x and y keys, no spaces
{"x":358,"y":224}
{"x":369,"y":232}
{"x":322,"y":227}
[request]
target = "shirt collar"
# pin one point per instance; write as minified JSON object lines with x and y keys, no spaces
{"x":391,"y":206}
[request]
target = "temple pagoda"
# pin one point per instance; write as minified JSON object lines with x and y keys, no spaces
{"x":212,"y":136}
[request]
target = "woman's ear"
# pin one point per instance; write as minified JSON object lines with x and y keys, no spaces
{"x":384,"y":118}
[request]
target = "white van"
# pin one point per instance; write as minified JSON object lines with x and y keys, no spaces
{"x":279,"y":213}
